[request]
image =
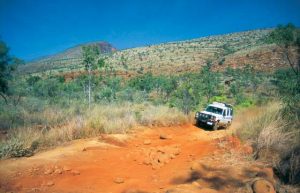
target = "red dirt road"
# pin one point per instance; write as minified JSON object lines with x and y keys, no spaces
{"x":137,"y":162}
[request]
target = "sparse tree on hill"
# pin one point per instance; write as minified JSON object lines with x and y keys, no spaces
{"x":91,"y":61}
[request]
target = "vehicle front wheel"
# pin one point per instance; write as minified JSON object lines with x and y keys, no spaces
{"x":216,"y":126}
{"x":227,"y":125}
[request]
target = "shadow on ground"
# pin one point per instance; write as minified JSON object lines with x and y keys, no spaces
{"x":217,"y":178}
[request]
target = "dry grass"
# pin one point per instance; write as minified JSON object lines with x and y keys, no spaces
{"x":111,"y":118}
{"x":275,"y":140}
{"x":68,"y":124}
{"x":162,"y":116}
{"x":252,"y":124}
{"x":267,"y":130}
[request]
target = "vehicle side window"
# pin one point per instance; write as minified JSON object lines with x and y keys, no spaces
{"x":224,"y":113}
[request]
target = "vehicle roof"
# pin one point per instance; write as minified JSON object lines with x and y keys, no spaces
{"x":220,"y":105}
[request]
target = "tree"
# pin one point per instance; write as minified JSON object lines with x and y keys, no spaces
{"x":184,"y":96}
{"x":288,"y":81}
{"x":7,"y":66}
{"x":208,"y":81}
{"x":91,"y":61}
{"x":287,"y":36}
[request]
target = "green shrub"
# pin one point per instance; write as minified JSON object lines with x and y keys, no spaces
{"x":16,"y":148}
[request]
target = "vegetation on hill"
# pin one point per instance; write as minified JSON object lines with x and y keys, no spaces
{"x":231,"y":50}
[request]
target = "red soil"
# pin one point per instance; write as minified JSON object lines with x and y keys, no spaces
{"x":113,"y":163}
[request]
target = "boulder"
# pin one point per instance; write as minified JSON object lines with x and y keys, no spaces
{"x":190,"y":188}
{"x":268,"y":174}
{"x":263,"y":186}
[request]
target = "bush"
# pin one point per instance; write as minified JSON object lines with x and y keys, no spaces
{"x":14,"y":148}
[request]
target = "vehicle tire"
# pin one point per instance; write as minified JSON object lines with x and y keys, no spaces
{"x":227,"y":125}
{"x":216,"y":126}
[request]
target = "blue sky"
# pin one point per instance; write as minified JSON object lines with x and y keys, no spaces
{"x":35,"y":28}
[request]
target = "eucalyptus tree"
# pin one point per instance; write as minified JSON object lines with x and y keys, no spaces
{"x":92,"y":61}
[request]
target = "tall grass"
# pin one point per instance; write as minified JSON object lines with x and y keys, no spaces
{"x":61,"y":125}
{"x":275,"y":140}
{"x":267,"y":130}
{"x":162,"y":116}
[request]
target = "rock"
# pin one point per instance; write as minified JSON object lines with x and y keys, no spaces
{"x":75,"y":172}
{"x":147,"y":161}
{"x":208,"y":190}
{"x":163,"y":158}
{"x":177,"y":151}
{"x":50,"y":183}
{"x":172,"y":156}
{"x":66,"y":168}
{"x":190,"y":188}
{"x":36,"y":169}
{"x":48,"y":171}
{"x":119,"y":180}
{"x":263,"y":186}
{"x":268,"y":174}
{"x":58,"y":171}
{"x":196,"y":184}
{"x":195,"y":166}
{"x":147,"y":142}
{"x":163,"y":136}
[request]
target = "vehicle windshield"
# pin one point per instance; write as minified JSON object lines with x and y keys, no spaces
{"x":215,"y":110}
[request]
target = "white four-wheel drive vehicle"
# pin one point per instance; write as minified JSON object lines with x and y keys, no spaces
{"x":215,"y":115}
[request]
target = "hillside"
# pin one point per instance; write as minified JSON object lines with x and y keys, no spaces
{"x":235,"y":50}
{"x":66,"y":57}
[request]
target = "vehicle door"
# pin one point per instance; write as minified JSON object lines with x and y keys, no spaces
{"x":228,"y":115}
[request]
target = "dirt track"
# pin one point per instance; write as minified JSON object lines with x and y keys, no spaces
{"x":148,"y":160}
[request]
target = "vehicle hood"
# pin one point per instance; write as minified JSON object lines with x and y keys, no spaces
{"x":209,"y":113}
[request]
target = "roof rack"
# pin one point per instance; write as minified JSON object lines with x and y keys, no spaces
{"x":222,"y":104}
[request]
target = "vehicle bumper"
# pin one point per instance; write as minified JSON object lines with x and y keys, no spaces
{"x":205,"y":122}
